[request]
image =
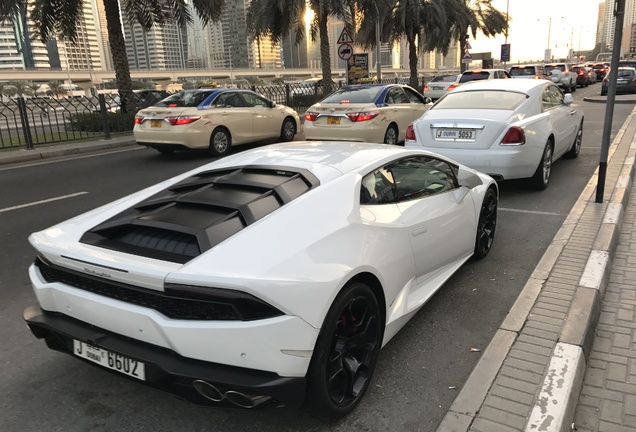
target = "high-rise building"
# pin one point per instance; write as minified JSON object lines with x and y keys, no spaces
{"x":103,"y":42}
{"x":162,"y":47}
{"x":600,"y":26}
{"x":238,"y":49}
{"x":609,"y":26}
{"x":83,"y":53}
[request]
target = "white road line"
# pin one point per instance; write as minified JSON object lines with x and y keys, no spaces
{"x":58,"y":159}
{"x":530,"y":211}
{"x":42,"y":202}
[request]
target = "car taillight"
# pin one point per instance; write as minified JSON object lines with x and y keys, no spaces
{"x":452,"y":86}
{"x":537,"y":77}
{"x":410,"y":133}
{"x":514,"y":136}
{"x":580,"y":73}
{"x":426,"y":88}
{"x":182,"y":120}
{"x":363,"y":116}
{"x":139,"y":119}
{"x":311,"y":116}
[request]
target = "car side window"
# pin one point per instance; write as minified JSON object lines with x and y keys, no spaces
{"x":255,"y":101}
{"x":413,"y":96}
{"x":557,"y":96}
{"x":395,"y":95}
{"x":230,"y":100}
{"x":411,"y":178}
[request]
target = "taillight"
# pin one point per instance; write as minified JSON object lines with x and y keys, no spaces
{"x":537,"y":77}
{"x":514,"y":136}
{"x":452,"y":86}
{"x":182,"y":120}
{"x":311,"y":116}
{"x":139,"y":119}
{"x":363,"y":116}
{"x":426,"y":88}
{"x":410,"y":133}
{"x":580,"y":73}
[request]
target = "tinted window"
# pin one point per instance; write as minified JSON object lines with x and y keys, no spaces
{"x":188,"y":98}
{"x":408,"y":179}
{"x":230,"y":100}
{"x":625,"y":72}
{"x":396,"y":96}
{"x":550,"y":68}
{"x":523,"y":71}
{"x":255,"y":100}
{"x":354,"y":95}
{"x":413,"y":96}
{"x":473,"y":76}
{"x":444,"y":78}
{"x":481,"y":99}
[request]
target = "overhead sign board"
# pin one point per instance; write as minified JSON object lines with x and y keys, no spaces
{"x":345,"y":37}
{"x":345,"y":51}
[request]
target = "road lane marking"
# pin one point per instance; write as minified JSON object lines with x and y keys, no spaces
{"x":42,"y":202}
{"x":530,"y":212}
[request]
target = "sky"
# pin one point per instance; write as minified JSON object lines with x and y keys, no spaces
{"x":572,"y":23}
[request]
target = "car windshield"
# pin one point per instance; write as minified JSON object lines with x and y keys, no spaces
{"x":625,"y":72}
{"x":444,"y":78}
{"x":521,"y":71}
{"x":187,"y":98}
{"x":481,"y":99}
{"x":473,"y":76}
{"x":353,"y":95}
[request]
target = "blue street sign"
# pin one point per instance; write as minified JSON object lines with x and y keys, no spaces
{"x":505,"y":52}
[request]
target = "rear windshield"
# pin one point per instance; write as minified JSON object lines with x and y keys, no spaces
{"x":353,"y":95}
{"x":627,"y":63}
{"x":625,"y":72}
{"x":481,"y":99}
{"x":473,"y":76}
{"x":188,"y":98}
{"x":522,"y":71}
{"x":444,"y":78}
{"x":550,"y":68}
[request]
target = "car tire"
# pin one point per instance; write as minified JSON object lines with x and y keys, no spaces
{"x":288,"y":130}
{"x":574,"y":151}
{"x":220,"y":142}
{"x":572,"y":87}
{"x":346,"y":352}
{"x":541,"y":176}
{"x":391,"y":135}
{"x":486,"y":225}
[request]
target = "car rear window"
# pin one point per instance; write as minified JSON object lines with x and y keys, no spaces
{"x":550,"y":68}
{"x":625,"y":72}
{"x":353,"y":95}
{"x":444,"y":78}
{"x":481,"y":99}
{"x":189,"y":98}
{"x":473,"y":76}
{"x":523,"y":71}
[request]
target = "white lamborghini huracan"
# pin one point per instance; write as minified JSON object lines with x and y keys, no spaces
{"x":271,"y":277}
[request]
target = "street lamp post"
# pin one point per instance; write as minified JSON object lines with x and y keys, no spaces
{"x":378,"y":64}
{"x":229,"y":51}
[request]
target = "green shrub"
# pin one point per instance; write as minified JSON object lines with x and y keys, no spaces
{"x":92,"y":122}
{"x":305,"y":100}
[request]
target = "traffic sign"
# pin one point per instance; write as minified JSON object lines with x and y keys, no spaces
{"x":632,"y":50}
{"x":345,"y":51}
{"x":467,"y":58}
{"x":505,"y":52}
{"x":345,"y":37}
{"x":468,"y":45}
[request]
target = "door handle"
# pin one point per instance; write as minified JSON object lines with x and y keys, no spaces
{"x":419,"y":231}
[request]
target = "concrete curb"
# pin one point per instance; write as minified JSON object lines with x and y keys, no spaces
{"x":603,"y":99}
{"x":67,"y":149}
{"x":554,"y":406}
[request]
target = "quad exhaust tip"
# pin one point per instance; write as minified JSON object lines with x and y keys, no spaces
{"x":237,"y":398}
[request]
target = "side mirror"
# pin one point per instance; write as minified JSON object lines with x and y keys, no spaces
{"x":271,"y":104}
{"x":568,"y":99}
{"x":468,"y":178}
{"x":428,"y":100}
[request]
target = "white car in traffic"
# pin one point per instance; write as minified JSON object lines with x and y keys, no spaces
{"x":509,"y":129}
{"x":270,"y":277}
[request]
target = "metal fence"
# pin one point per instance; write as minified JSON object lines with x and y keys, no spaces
{"x":34,"y":121}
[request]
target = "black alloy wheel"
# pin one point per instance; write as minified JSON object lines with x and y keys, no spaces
{"x":391,"y":135}
{"x":346,"y":352}
{"x":486,"y":225}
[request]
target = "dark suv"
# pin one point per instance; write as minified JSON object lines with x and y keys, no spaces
{"x":601,"y":71}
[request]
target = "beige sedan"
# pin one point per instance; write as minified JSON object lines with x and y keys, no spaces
{"x":213,"y":119}
{"x":367,"y":113}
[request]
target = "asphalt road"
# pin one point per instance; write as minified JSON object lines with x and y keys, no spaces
{"x":419,"y":371}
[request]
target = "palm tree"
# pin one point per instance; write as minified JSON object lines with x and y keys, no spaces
{"x":278,"y":18}
{"x":22,"y":88}
{"x":478,"y":16}
{"x":56,"y":88}
{"x":59,"y":19}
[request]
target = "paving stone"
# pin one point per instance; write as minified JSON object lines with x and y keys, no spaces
{"x":499,"y":415}
{"x":482,"y":425}
{"x":587,"y":417}
{"x":630,"y":404}
{"x":594,"y":377}
{"x":611,"y":410}
{"x":514,"y":395}
{"x":617,"y":372}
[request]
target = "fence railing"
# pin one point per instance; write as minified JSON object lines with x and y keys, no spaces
{"x":33,"y":121}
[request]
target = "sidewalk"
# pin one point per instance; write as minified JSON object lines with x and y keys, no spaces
{"x":530,"y":376}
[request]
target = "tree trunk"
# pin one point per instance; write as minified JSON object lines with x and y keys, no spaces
{"x":120,"y":60}
{"x":413,"y":80}
{"x":325,"y":57}
{"x":464,"y":49}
